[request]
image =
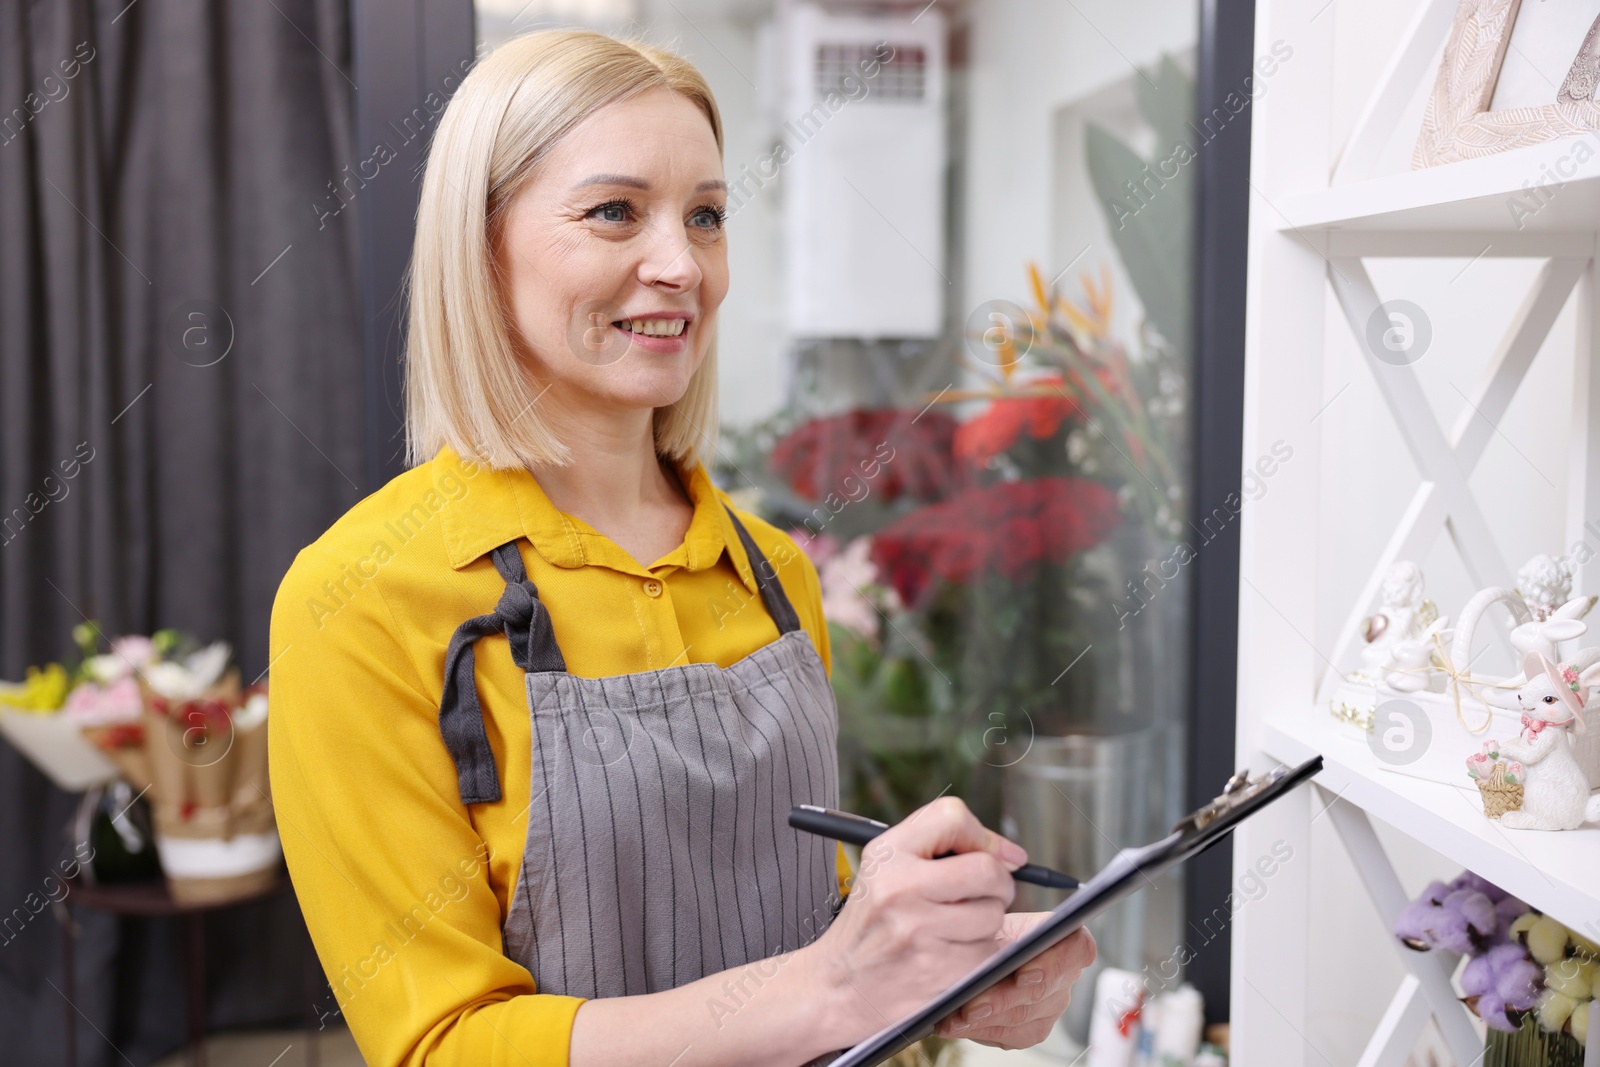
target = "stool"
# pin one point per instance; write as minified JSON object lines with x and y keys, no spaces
{"x":150,"y":900}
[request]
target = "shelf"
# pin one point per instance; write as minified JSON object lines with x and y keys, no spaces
{"x":1555,"y":872}
{"x":1479,"y":196}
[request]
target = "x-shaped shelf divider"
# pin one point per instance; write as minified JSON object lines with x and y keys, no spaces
{"x":1445,"y":499}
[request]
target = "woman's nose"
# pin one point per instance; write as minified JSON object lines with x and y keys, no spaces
{"x":670,"y":262}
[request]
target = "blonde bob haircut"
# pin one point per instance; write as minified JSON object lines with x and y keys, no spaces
{"x":465,"y":384}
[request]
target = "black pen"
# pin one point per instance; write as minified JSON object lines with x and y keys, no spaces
{"x":858,"y":830}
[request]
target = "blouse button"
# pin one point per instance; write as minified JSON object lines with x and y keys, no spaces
{"x":652,"y":587}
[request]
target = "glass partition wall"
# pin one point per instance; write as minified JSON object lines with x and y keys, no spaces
{"x":955,"y":363}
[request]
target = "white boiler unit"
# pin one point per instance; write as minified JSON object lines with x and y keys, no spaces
{"x":863,"y":112}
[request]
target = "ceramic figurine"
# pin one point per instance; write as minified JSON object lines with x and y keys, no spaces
{"x":1544,"y":614}
{"x":1402,"y":621}
{"x":1556,"y":790}
{"x":1409,"y":668}
{"x":1545,"y":584}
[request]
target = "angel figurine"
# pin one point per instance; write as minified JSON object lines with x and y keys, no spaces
{"x":1400,"y":635}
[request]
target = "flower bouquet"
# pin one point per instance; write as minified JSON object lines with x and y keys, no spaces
{"x":173,"y":722}
{"x":893,"y":453}
{"x":1533,"y":981}
{"x":205,"y":739}
{"x":33,"y":720}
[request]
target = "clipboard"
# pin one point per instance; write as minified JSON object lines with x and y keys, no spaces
{"x":1128,"y":871}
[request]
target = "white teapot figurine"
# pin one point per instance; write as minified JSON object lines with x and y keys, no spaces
{"x":1555,"y":791}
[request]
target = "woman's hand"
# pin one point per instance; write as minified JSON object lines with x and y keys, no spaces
{"x":1020,"y":1011}
{"x":913,"y":924}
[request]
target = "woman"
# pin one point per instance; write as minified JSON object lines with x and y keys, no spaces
{"x":556,"y":832}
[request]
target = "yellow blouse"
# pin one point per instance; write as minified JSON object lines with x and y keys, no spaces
{"x":404,"y":889}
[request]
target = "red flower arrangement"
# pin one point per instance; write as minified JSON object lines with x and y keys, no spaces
{"x":122,"y":735}
{"x":1040,"y":415}
{"x":902,"y":453}
{"x":1007,"y":528}
{"x":204,"y":720}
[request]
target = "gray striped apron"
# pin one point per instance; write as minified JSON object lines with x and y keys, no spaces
{"x":658,"y":847}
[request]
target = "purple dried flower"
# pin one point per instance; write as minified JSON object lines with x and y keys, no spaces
{"x":1476,"y":908}
{"x":1477,"y":978}
{"x":1469,"y":880}
{"x":1494,"y":1015}
{"x":1509,"y":909}
{"x":1519,"y":983}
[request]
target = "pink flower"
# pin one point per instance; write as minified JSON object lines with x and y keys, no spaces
{"x":136,"y":650}
{"x":820,"y":547}
{"x":91,"y":704}
{"x":128,"y":656}
{"x":851,"y":593}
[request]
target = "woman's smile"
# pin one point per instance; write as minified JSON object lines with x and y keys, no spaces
{"x":664,"y":332}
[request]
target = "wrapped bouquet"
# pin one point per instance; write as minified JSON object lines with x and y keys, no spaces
{"x":174,"y":722}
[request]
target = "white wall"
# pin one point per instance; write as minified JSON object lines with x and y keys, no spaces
{"x":1029,"y":58}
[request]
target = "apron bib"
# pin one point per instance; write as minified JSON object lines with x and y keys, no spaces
{"x":658,"y":848}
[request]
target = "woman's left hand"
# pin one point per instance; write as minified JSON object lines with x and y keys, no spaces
{"x":1019,"y":1011}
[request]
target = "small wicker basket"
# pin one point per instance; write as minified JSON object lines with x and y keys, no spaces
{"x":1499,"y":795}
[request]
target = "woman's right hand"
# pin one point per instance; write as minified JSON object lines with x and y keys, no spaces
{"x":911,"y":924}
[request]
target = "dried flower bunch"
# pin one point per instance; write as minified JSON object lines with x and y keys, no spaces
{"x":1522,"y":964}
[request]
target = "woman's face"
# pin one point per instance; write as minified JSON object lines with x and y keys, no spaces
{"x":613,"y":255}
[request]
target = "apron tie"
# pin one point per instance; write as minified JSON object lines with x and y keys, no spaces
{"x":526,"y":623}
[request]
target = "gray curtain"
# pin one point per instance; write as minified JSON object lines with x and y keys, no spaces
{"x":180,"y":412}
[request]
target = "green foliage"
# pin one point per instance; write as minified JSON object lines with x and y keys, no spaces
{"x":1149,"y":203}
{"x":898,"y":734}
{"x":1009,"y":645}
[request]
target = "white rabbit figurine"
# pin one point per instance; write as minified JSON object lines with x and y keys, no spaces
{"x":1556,"y":793}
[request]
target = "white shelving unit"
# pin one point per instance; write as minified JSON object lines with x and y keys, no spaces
{"x":1316,"y":217}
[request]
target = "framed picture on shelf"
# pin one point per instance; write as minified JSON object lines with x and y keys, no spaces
{"x":1512,"y":75}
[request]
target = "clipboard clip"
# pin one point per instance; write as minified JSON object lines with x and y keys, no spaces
{"x":1239,"y":788}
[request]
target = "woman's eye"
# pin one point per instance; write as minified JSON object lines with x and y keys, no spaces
{"x":616,"y":211}
{"x":710,"y":218}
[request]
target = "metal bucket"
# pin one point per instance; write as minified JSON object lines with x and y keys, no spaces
{"x":1073,"y":802}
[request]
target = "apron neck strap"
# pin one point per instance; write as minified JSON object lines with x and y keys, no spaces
{"x":772,"y":594}
{"x":526,"y":623}
{"x":524,"y":619}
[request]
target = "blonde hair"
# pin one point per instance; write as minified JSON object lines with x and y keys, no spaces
{"x":465,"y":386}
